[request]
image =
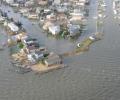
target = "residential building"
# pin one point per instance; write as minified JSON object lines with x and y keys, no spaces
{"x":53,"y":59}
{"x":35,"y":56}
{"x":73,"y":29}
{"x":55,"y":29}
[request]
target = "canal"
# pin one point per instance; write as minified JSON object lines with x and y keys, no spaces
{"x":94,"y":75}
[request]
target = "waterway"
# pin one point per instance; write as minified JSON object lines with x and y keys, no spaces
{"x":94,"y":75}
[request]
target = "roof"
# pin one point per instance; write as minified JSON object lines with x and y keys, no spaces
{"x":73,"y":29}
{"x":54,"y":29}
{"x":13,"y":27}
{"x":33,"y":44}
{"x":30,"y":39}
{"x":38,"y":52}
{"x":52,"y":58}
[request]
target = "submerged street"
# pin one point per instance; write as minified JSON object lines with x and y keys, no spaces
{"x":93,"y":75}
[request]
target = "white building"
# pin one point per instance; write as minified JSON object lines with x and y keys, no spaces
{"x":35,"y":57}
{"x":9,"y":1}
{"x":57,"y":2}
{"x":13,"y":27}
{"x":54,"y":29}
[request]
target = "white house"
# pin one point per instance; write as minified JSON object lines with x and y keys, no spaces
{"x":13,"y":27}
{"x":57,"y":2}
{"x":61,"y":8}
{"x":73,"y":29}
{"x":33,"y":16}
{"x":35,"y":57}
{"x":24,"y":10}
{"x":77,"y":12}
{"x":29,"y":3}
{"x":9,"y":1}
{"x":55,"y":29}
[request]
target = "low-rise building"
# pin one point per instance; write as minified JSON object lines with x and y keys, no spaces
{"x":13,"y":27}
{"x":47,"y":24}
{"x":29,"y":40}
{"x":53,"y":59}
{"x":33,"y":16}
{"x":35,"y":56}
{"x":9,"y":1}
{"x":42,"y":2}
{"x":55,"y":29}
{"x":32,"y":47}
{"x":73,"y":29}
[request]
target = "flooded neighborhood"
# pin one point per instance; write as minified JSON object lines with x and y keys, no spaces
{"x":59,"y":49}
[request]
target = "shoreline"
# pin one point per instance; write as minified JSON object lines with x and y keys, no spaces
{"x":77,"y":51}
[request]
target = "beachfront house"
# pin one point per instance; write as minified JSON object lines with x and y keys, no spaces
{"x":18,"y":37}
{"x":61,"y":9}
{"x":33,"y":15}
{"x":51,"y":17}
{"x":42,"y":2}
{"x":77,"y":12}
{"x":13,"y":27}
{"x":29,"y":3}
{"x":2,"y":19}
{"x":54,"y":30}
{"x":31,"y":44}
{"x":62,"y":19}
{"x":31,"y":47}
{"x":47,"y":24}
{"x":35,"y":56}
{"x":76,"y":18}
{"x":9,"y":1}
{"x":23,"y":10}
{"x":56,"y":2}
{"x":52,"y":59}
{"x":73,"y":29}
{"x":29,"y":40}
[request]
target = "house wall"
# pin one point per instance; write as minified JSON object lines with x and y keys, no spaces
{"x":54,"y":63}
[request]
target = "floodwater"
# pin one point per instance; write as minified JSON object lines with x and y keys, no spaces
{"x":94,"y":75}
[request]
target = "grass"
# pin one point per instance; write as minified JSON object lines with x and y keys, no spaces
{"x":84,"y":45}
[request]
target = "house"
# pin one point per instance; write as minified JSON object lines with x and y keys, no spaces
{"x":76,"y":18}
{"x":24,"y":10}
{"x":57,"y":2}
{"x":9,"y":1}
{"x":35,"y":56}
{"x":53,"y":59}
{"x":62,"y":19}
{"x":2,"y":19}
{"x":13,"y":27}
{"x":51,"y":17}
{"x":61,"y":16}
{"x":61,"y":8}
{"x":77,"y":12}
{"x":29,"y":40}
{"x":18,"y":37}
{"x":73,"y":29}
{"x":33,"y":15}
{"x":42,"y":2}
{"x":29,"y":3}
{"x":55,"y":29}
{"x":14,"y":4}
{"x":47,"y":24}
{"x":31,"y":47}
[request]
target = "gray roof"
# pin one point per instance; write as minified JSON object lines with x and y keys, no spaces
{"x":53,"y":59}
